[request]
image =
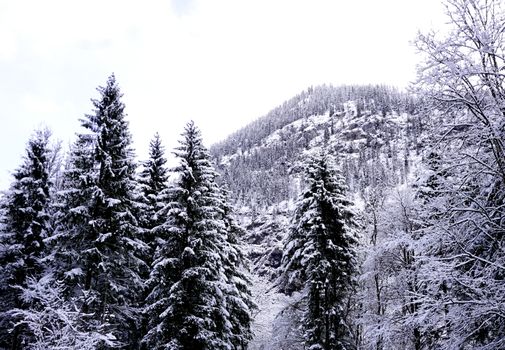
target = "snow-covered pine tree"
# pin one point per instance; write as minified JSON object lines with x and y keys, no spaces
{"x":191,"y":302}
{"x":153,"y":182}
{"x":320,"y":254}
{"x":99,"y":234}
{"x":23,"y":229}
{"x":73,"y":238}
{"x":72,"y":245}
{"x":153,"y":198}
{"x":237,"y":292}
{"x":113,"y":272}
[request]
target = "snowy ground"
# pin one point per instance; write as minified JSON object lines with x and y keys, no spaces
{"x":270,"y":303}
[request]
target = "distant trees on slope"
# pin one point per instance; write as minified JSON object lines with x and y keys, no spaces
{"x":316,"y":101}
{"x":271,"y":147}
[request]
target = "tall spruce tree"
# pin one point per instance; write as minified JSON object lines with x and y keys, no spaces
{"x":22,"y":234}
{"x":192,"y":305}
{"x":153,"y":182}
{"x":99,"y":227}
{"x":320,"y":254}
{"x":73,"y":243}
{"x":73,"y":238}
{"x":236,"y":291}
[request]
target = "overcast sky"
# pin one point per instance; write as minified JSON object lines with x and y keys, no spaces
{"x":221,"y":63}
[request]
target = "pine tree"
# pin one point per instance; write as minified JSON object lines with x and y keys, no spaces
{"x":320,"y":254}
{"x":99,"y":241}
{"x":73,"y":238}
{"x":237,"y":293}
{"x":73,"y":245}
{"x":153,"y":181}
{"x":23,"y":230}
{"x":191,"y":302}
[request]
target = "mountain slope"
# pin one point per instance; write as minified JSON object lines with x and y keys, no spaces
{"x":377,"y":135}
{"x":261,"y":162}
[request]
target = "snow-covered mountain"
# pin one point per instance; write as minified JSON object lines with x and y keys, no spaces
{"x":426,"y":179}
{"x":376,"y":134}
{"x":261,"y":162}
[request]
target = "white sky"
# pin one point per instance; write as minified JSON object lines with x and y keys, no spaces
{"x":221,"y":63}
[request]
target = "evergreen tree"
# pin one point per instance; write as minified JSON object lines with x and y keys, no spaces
{"x":153,"y":181}
{"x":320,"y":254}
{"x":73,"y":243}
{"x":22,"y":234}
{"x":237,"y":293}
{"x":191,"y":304}
{"x":99,"y":229}
{"x":73,"y":237}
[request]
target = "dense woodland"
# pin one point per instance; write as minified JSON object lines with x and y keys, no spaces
{"x":100,"y":256}
{"x":349,"y":217}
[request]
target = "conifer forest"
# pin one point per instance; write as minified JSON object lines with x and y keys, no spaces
{"x":348,"y":217}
